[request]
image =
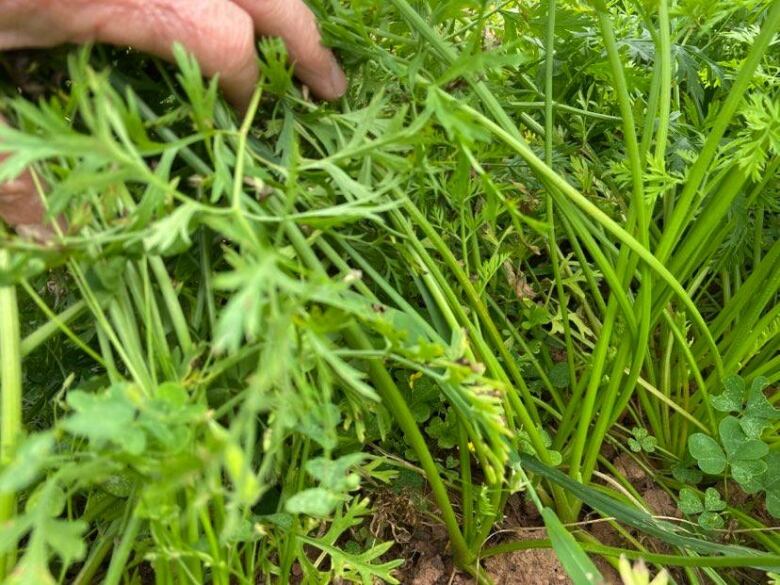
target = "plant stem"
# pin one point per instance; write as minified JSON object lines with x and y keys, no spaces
{"x":549,"y":120}
{"x":664,"y":52}
{"x":99,"y":552}
{"x":566,"y":192}
{"x":394,"y":401}
{"x":55,"y":324}
{"x":172,"y":304}
{"x":10,"y":398}
{"x":123,"y":550}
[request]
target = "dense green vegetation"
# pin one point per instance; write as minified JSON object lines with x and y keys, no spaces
{"x":534,"y":240}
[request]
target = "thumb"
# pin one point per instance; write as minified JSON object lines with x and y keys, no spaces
{"x":21,"y":206}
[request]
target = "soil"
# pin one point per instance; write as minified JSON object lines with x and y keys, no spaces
{"x":660,"y":503}
{"x":428,"y":558}
{"x":631,"y":470}
{"x":531,"y":567}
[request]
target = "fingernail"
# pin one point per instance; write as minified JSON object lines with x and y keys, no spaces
{"x":42,"y":234}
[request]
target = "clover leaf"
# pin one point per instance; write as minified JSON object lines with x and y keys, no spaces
{"x":749,"y":475}
{"x":708,"y":510}
{"x":759,"y":412}
{"x":685,"y":472}
{"x":739,"y":446}
{"x":711,"y":520}
{"x":642,"y":441}
{"x":689,"y":502}
{"x":713,"y":501}
{"x":733,"y":395}
{"x":772,"y":484}
{"x":742,"y":454}
{"x":708,"y":453}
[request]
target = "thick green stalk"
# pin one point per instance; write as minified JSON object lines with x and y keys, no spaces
{"x":701,"y":241}
{"x":651,"y":110}
{"x":467,"y":486}
{"x":10,"y":398}
{"x":584,"y":445}
{"x":627,"y":115}
{"x":123,"y":550}
{"x":587,"y":405}
{"x":694,"y":367}
{"x":97,"y":555}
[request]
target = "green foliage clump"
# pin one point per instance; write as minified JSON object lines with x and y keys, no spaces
{"x":522,"y":251}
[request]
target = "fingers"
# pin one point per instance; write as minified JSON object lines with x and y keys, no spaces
{"x":218,"y":33}
{"x":293,"y":22}
{"x":21,"y":208}
{"x":20,"y":203}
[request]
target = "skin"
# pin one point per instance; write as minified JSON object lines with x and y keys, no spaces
{"x":219,"y":33}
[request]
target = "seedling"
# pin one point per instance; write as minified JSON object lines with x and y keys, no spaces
{"x":708,"y":511}
{"x":641,"y":440}
{"x":741,"y":451}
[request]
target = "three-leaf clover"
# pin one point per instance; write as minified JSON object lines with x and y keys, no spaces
{"x":708,"y":509}
{"x":742,"y":454}
{"x":757,"y":413}
{"x":642,"y":441}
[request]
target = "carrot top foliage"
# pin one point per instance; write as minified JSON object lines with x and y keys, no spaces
{"x":535,"y":244}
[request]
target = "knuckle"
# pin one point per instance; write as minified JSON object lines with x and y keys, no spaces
{"x":237,"y":44}
{"x":18,"y":201}
{"x":282,"y":14}
{"x":219,"y":33}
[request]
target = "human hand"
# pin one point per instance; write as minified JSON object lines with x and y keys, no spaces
{"x":219,"y":33}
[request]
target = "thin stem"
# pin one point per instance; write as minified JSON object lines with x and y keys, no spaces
{"x":172,"y":304}
{"x":664,"y":51}
{"x":549,"y":120}
{"x":394,"y":401}
{"x":568,"y":193}
{"x":55,"y":324}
